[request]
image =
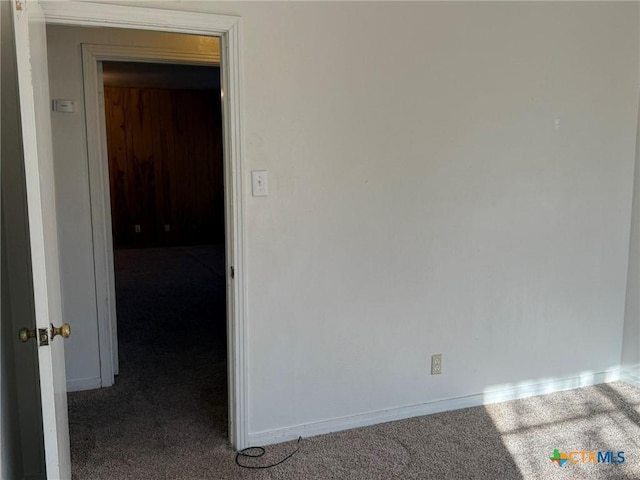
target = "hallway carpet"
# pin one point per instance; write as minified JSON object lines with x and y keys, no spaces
{"x":166,"y":416}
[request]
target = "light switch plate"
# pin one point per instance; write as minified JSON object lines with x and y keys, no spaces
{"x":259,"y":183}
{"x":64,"y":106}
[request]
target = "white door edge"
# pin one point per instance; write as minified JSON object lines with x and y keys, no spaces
{"x":33,"y":90}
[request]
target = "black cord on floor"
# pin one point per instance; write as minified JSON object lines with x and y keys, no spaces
{"x":257,"y":452}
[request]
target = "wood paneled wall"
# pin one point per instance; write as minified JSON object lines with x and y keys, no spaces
{"x":165,"y":166}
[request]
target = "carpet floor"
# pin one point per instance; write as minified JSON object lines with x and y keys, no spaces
{"x":166,"y":416}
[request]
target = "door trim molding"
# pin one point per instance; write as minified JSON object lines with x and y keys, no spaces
{"x":229,"y":29}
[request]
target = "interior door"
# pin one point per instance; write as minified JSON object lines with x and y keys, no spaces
{"x":33,"y":85}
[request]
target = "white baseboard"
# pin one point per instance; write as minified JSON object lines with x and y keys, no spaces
{"x":84,"y":384}
{"x":631,"y":376}
{"x":499,"y":394}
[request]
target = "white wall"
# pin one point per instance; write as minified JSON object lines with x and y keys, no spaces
{"x":631,"y":339}
{"x":449,"y":178}
{"x":72,"y":186}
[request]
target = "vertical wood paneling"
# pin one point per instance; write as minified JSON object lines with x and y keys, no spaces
{"x":158,"y":161}
{"x":181,"y":146}
{"x":166,"y":199}
{"x":165,"y":166}
{"x":119,"y":172}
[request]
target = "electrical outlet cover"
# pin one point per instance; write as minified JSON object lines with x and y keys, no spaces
{"x":436,"y":364}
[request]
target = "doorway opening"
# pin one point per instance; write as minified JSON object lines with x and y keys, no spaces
{"x":50,"y":264}
{"x":164,"y":144}
{"x":162,"y":131}
{"x":163,"y":127}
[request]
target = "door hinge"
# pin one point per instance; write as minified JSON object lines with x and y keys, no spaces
{"x":19,"y":5}
{"x":233,"y":273}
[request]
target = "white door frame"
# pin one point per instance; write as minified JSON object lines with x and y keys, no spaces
{"x":99,"y":190}
{"x":228,"y":28}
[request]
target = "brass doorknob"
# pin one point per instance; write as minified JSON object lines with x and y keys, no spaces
{"x":25,"y":334}
{"x":64,"y":331}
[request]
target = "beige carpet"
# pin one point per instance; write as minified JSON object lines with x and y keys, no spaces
{"x":166,"y":416}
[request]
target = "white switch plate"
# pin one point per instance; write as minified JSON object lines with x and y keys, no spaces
{"x":64,"y":106}
{"x":259,"y":183}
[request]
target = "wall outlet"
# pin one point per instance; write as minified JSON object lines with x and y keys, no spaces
{"x":436,"y":364}
{"x":137,"y":228}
